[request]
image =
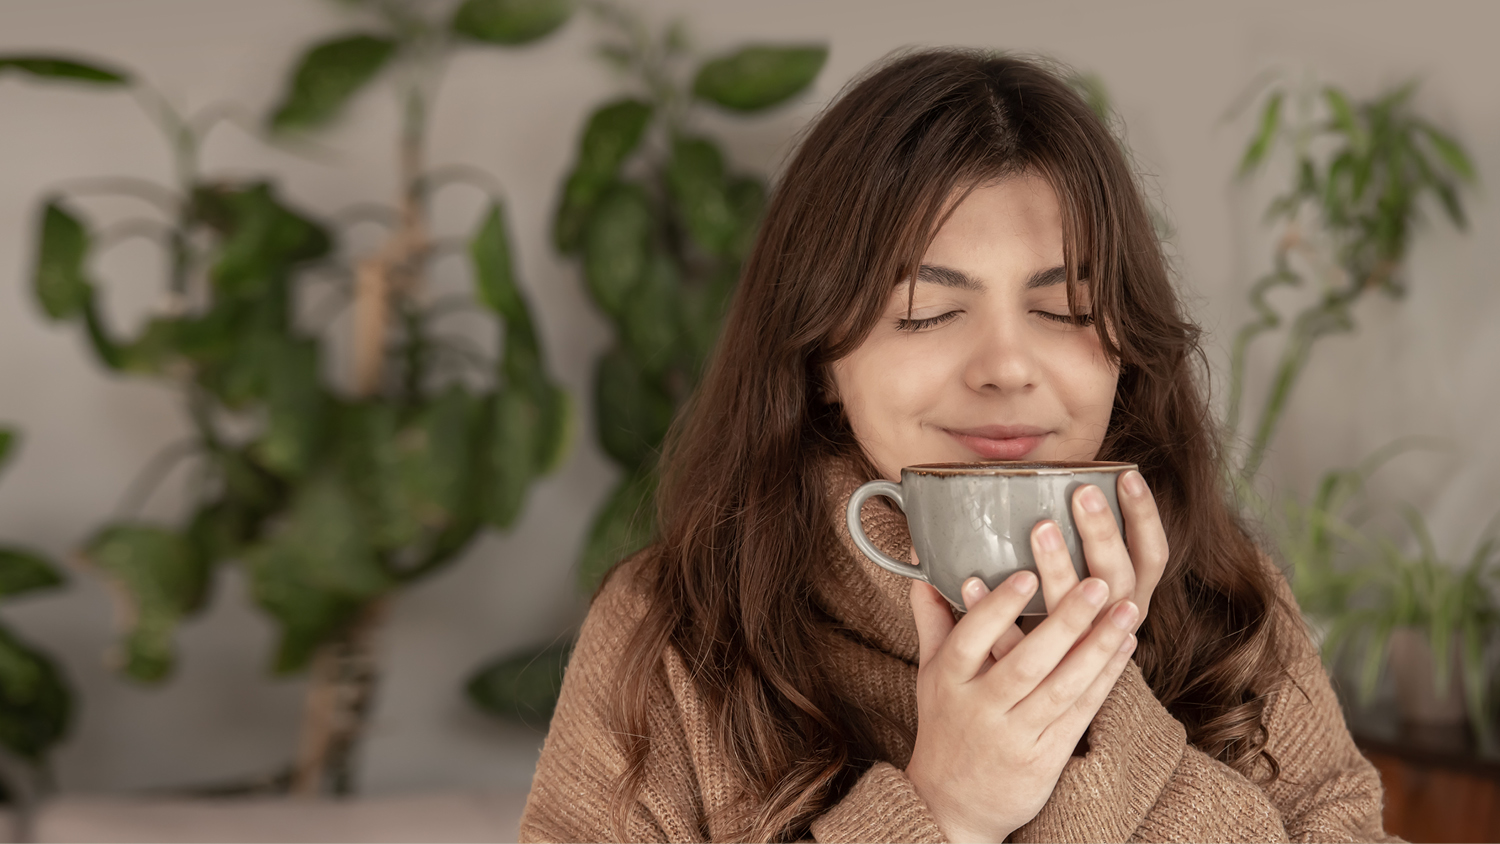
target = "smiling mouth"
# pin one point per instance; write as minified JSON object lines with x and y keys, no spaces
{"x":999,"y":442}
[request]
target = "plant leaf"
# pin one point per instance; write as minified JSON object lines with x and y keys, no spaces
{"x":613,"y":132}
{"x":296,"y":408}
{"x":368,"y":435}
{"x":494,"y":275}
{"x":702,"y":309}
{"x":529,"y":427}
{"x":327,"y":76}
{"x":514,"y":425}
{"x":1344,"y":119}
{"x":435,"y":459}
{"x":649,"y":323}
{"x":1374,"y":658}
{"x":316,"y":571}
{"x":60,"y":281}
{"x":8,"y":440}
{"x":747,"y":199}
{"x":510,"y":22}
{"x":69,"y":70}
{"x":631,"y":413}
{"x":695,"y":177}
{"x":1265,"y":135}
{"x":261,"y":238}
{"x":161,"y":579}
{"x":1448,"y":196}
{"x":623,"y":525}
{"x":1450,"y":151}
{"x":617,"y":246}
{"x":759,"y":76}
{"x":36,"y":705}
{"x":522,"y":687}
{"x":1476,"y":692}
{"x":23,"y":571}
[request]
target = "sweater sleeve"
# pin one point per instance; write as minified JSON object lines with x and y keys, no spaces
{"x":1144,"y":782}
{"x":580,"y":759}
{"x":569,"y":798}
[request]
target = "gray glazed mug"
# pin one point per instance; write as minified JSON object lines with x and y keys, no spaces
{"x":975,"y":519}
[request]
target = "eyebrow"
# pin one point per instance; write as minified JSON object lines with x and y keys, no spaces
{"x":949,"y":277}
{"x":1047,"y":277}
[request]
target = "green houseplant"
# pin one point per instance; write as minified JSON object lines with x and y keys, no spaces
{"x":1318,"y":537}
{"x":1361,"y":173}
{"x":1421,"y":601}
{"x":1361,"y":170}
{"x":333,"y":491}
{"x":659,"y":223}
{"x":36,"y":704}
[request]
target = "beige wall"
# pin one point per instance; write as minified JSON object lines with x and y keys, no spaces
{"x":1424,"y":366}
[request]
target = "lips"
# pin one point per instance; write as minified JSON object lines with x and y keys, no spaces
{"x":999,"y":442}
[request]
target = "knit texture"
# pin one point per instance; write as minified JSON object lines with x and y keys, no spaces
{"x":1139,"y":781}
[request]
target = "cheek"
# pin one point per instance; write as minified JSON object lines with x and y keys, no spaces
{"x":888,"y":392}
{"x":1086,"y":382}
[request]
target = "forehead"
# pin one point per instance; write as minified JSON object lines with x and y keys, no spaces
{"x":1011,"y":224}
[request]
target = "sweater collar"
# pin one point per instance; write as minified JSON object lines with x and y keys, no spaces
{"x":867,"y":599}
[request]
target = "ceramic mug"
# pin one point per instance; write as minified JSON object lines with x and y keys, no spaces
{"x":975,"y":519}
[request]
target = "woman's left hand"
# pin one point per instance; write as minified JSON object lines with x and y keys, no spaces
{"x":1132,"y":565}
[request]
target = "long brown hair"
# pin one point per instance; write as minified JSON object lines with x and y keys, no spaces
{"x":742,"y":501}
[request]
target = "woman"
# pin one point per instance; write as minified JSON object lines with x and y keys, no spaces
{"x":956,"y":265}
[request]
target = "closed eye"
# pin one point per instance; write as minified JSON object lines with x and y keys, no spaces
{"x":1080,"y":321}
{"x":929,"y":322}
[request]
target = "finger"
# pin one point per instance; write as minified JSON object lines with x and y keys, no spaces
{"x":1103,"y":547}
{"x":1061,"y":690}
{"x":1053,"y":563}
{"x":984,"y":627}
{"x":1078,"y":718}
{"x":1009,"y":639}
{"x":1144,"y":535}
{"x":934,"y":620}
{"x":1039,"y":653}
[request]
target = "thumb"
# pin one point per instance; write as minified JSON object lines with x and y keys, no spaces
{"x":934,"y":619}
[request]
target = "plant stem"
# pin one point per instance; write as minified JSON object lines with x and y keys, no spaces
{"x":340,"y":696}
{"x":341,"y":690}
{"x":1328,"y":316}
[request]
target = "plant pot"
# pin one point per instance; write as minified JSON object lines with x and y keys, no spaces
{"x":1412,"y":668}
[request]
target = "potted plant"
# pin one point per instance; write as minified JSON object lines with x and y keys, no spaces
{"x":334,"y":491}
{"x":1361,"y":173}
{"x":1427,"y":619}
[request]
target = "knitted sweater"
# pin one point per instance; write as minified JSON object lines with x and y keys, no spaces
{"x":1139,"y":780}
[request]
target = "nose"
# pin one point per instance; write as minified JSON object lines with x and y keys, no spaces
{"x":1003,"y":360}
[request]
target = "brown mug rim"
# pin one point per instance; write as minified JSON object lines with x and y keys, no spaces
{"x":1017,"y":467}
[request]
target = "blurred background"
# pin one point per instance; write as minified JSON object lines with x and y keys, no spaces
{"x":512,"y":225}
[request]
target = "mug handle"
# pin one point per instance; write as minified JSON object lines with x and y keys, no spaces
{"x":863,"y":543}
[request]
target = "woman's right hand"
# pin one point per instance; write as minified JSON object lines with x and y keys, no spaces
{"x":998,"y":712}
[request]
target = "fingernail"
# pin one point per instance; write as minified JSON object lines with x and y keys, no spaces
{"x":1095,"y":591}
{"x":1123,"y":615}
{"x":1128,"y":645}
{"x":973,"y":590}
{"x":1134,"y":483}
{"x":1023,"y":582}
{"x":1093,"y":500}
{"x":1049,"y":537}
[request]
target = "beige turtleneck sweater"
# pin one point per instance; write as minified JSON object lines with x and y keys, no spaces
{"x":1140,"y":780}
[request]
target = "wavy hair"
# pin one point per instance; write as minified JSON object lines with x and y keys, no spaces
{"x":741,"y":504}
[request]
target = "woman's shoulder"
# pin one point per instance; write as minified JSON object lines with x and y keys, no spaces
{"x":621,"y":600}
